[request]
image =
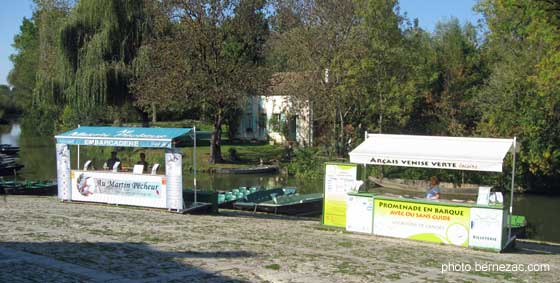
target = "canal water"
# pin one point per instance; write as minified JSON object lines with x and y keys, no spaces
{"x":37,"y":154}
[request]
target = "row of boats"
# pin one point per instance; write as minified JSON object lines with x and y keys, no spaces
{"x":8,"y":164}
{"x":40,"y":188}
{"x":283,"y":200}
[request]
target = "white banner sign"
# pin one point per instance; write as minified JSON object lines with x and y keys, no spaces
{"x":429,"y":163}
{"x":119,"y":188}
{"x":359,"y":214}
{"x":486,"y":228}
{"x":174,"y":175}
{"x":63,"y":171}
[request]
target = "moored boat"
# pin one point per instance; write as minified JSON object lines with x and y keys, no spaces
{"x":9,"y":149}
{"x":248,"y":170}
{"x":422,"y":186}
{"x":302,"y":205}
{"x":225,"y":199}
{"x":518,"y":226}
{"x":40,"y":188}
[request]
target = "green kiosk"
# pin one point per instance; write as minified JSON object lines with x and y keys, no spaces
{"x":482,"y":224}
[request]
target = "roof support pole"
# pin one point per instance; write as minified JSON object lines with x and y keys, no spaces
{"x":194,"y":163}
{"x":512,"y":186}
{"x":78,"y":159}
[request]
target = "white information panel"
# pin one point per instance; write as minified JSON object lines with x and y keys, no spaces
{"x":119,"y":188}
{"x":359,"y":214}
{"x":174,"y":175}
{"x":63,"y":171}
{"x":486,"y":228}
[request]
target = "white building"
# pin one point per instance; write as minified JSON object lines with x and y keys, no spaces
{"x":276,"y":118}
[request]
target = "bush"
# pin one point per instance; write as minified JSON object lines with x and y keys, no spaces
{"x":307,"y":162}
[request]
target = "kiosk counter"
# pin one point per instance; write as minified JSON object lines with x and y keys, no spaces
{"x":441,"y":221}
{"x":127,"y":188}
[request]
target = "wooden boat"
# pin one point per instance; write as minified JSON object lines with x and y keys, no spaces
{"x":197,"y":208}
{"x":39,"y":188}
{"x":307,"y":204}
{"x":227,"y":199}
{"x":10,"y":170}
{"x":8,"y":165}
{"x":9,"y":149}
{"x":221,"y":199}
{"x":248,"y":170}
{"x":302,"y":205}
{"x":422,"y":186}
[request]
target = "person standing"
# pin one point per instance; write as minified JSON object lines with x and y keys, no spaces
{"x":111,"y":161}
{"x":143,"y":162}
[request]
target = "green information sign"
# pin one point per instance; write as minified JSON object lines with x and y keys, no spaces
{"x":340,"y":179}
{"x":420,"y":221}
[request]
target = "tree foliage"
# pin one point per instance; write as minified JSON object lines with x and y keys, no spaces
{"x":211,"y":54}
{"x":360,"y":65}
{"x":520,"y":97}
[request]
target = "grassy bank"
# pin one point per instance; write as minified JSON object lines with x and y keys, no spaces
{"x":247,"y":155}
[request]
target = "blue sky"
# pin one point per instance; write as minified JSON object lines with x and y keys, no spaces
{"x":11,"y":17}
{"x":429,"y":12}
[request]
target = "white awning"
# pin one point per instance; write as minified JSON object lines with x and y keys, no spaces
{"x":456,"y":153}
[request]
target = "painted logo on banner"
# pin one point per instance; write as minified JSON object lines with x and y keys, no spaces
{"x":423,"y":222}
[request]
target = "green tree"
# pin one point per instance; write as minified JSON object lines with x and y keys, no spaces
{"x":450,"y":73}
{"x":217,"y":53}
{"x":311,"y":42}
{"x":25,"y":62}
{"x":520,"y":98}
{"x":98,"y":43}
{"x":42,"y":116}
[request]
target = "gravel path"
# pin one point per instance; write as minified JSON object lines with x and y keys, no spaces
{"x":44,"y":240}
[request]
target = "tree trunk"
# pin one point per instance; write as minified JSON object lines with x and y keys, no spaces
{"x":154,"y":113}
{"x":215,"y":142}
{"x":144,"y":116}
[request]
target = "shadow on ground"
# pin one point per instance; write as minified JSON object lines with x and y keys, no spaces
{"x":536,"y":248}
{"x":262,"y":215}
{"x":115,"y":262}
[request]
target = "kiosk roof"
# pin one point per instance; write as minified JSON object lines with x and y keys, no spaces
{"x":457,"y":153}
{"x":122,"y":136}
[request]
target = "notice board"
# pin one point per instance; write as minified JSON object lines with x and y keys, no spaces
{"x":340,"y":179}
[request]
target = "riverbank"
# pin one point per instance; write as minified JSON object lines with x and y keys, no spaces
{"x":44,"y":240}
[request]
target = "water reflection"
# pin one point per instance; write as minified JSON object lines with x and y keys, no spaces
{"x":11,"y":137}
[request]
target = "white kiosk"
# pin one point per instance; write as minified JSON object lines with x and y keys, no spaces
{"x":477,"y":225}
{"x":127,"y":188}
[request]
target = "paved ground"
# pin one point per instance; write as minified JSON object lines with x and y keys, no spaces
{"x":43,"y":240}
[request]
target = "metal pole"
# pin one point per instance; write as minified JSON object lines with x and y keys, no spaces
{"x":78,"y":159}
{"x":512,"y":186}
{"x":194,"y":163}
